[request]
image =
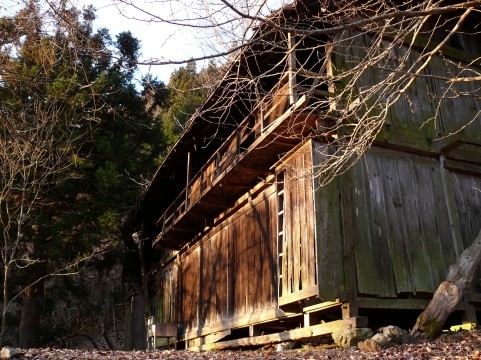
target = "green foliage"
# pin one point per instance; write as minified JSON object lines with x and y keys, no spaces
{"x":187,"y":92}
{"x":81,"y":134}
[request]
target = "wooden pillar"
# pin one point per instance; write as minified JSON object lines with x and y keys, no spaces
{"x":292,"y":68}
{"x":187,"y":189}
{"x":329,"y":72}
{"x":349,"y":306}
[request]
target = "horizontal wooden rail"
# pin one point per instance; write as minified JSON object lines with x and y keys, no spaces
{"x":244,"y":138}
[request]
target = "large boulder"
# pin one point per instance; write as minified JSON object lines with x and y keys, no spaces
{"x":351,"y":337}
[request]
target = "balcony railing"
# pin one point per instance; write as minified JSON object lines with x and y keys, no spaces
{"x":263,"y":124}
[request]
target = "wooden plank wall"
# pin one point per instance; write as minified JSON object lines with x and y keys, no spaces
{"x":164,"y":306}
{"x":395,"y":205}
{"x":231,"y":272}
{"x":403,"y":240}
{"x":467,"y":194}
{"x":331,"y":252}
{"x":411,"y":120}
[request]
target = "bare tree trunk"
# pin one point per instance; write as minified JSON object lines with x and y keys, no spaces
{"x":6,"y":300}
{"x":448,"y":295}
{"x":28,"y":332}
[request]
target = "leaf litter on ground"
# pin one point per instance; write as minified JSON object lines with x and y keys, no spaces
{"x":456,"y":345}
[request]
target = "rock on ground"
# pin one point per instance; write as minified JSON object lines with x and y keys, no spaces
{"x":8,"y":352}
{"x":351,"y":337}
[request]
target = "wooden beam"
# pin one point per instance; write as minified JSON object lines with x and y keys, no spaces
{"x":284,"y":142}
{"x":389,"y":303}
{"x":242,"y":321}
{"x":263,"y":172}
{"x":213,"y":204}
{"x":322,"y":306}
{"x":235,"y":185}
{"x":213,"y":338}
{"x":183,"y":229}
{"x":473,"y":297}
{"x":296,"y":334}
{"x":463,"y":167}
{"x":299,"y":295}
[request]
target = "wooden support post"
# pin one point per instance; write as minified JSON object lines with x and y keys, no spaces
{"x":307,"y":319}
{"x":469,"y":314}
{"x":329,"y":72}
{"x":349,"y":306}
{"x":348,"y":310}
{"x":292,"y":68}
{"x":189,"y":170}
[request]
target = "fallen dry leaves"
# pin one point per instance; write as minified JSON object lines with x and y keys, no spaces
{"x":460,"y":345}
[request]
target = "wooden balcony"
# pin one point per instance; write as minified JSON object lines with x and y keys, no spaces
{"x":245,"y":158}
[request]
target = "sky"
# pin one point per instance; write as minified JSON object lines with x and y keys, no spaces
{"x":157,"y":40}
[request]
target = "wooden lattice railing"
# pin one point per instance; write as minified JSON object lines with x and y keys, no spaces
{"x":268,"y":115}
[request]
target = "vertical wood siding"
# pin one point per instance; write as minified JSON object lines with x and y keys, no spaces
{"x":233,"y":272}
{"x":332,"y":255}
{"x":164,"y":301}
{"x":430,"y":107}
{"x":298,"y":267}
{"x":467,"y":193}
{"x":402,"y":238}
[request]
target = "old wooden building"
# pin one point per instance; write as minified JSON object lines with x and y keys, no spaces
{"x":245,"y":242}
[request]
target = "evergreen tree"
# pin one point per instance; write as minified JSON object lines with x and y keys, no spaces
{"x":77,"y":139}
{"x":187,"y":93}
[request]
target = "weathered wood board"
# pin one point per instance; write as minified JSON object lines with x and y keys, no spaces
{"x":231,"y":272}
{"x":298,"y":267}
{"x":400,"y":223}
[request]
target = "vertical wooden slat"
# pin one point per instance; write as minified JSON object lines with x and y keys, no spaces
{"x":420,"y":272}
{"x":467,"y":194}
{"x":299,"y":254}
{"x":381,"y":251}
{"x":287,"y":233}
{"x":297,"y":233}
{"x":253,"y":256}
{"x":366,"y":272}
{"x":424,"y":174}
{"x":449,"y":238}
{"x":273,"y":258}
{"x":229,"y":242}
{"x":310,"y":244}
{"x":396,"y":227}
{"x":304,"y":231}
